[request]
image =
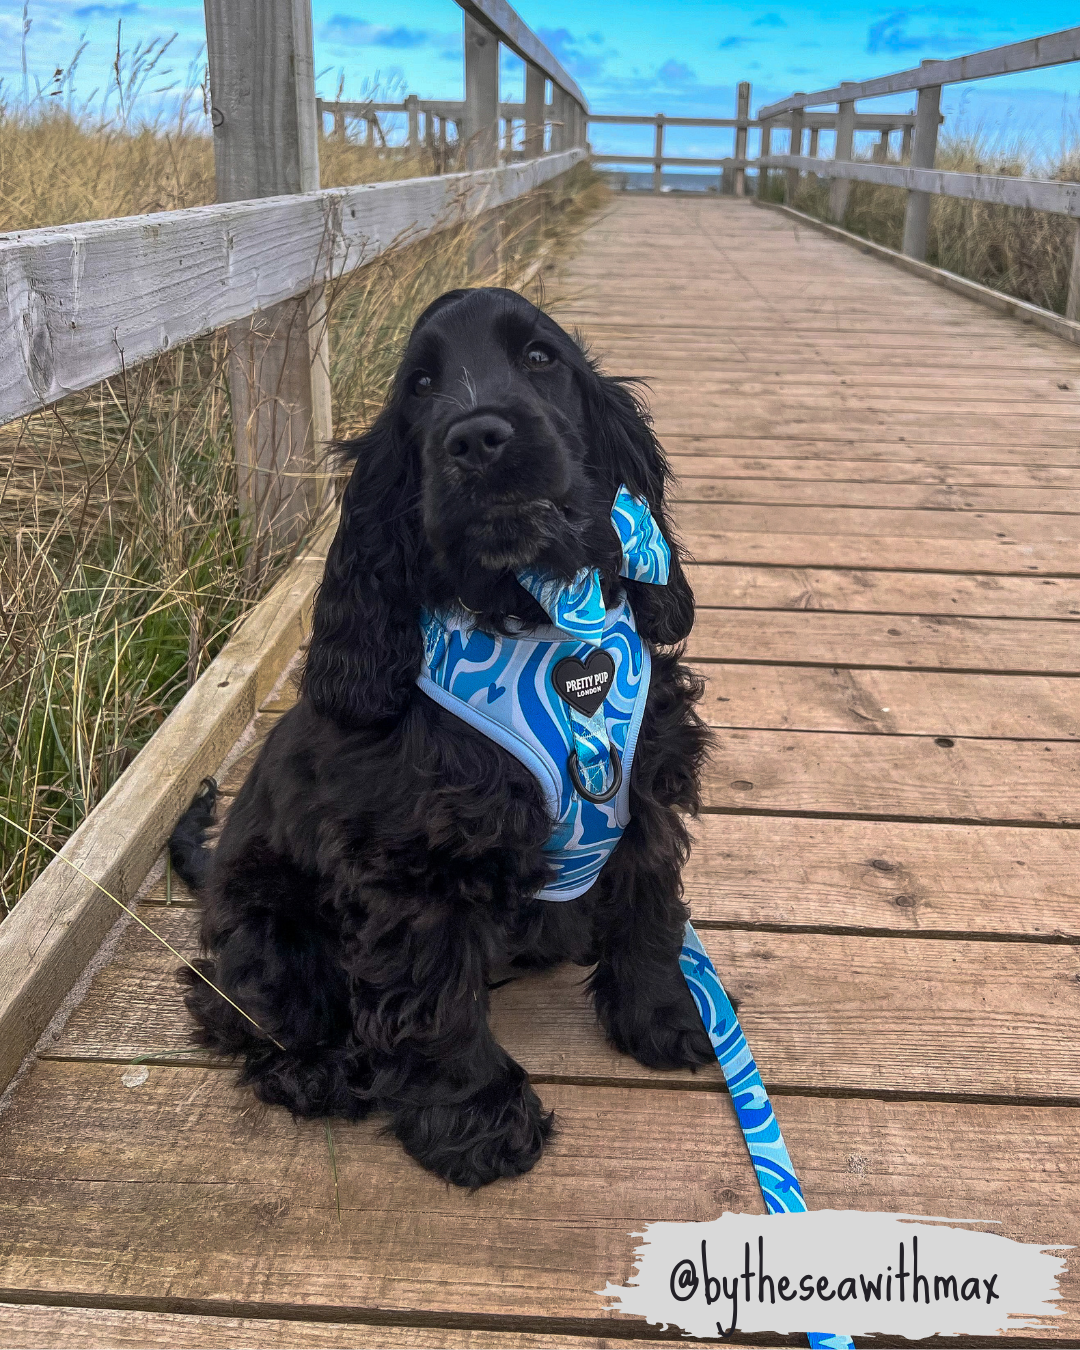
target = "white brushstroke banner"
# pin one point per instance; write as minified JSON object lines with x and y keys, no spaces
{"x":854,"y":1273}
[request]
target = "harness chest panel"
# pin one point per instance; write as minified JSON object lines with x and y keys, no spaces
{"x":509,"y":689}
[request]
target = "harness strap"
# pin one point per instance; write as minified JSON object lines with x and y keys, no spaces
{"x":593,"y":748}
{"x":779,"y":1185}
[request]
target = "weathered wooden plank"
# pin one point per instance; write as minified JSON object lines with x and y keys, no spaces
{"x":901,"y":451}
{"x":884,"y":877}
{"x":748,"y":339}
{"x":1053,"y":49}
{"x":1051,"y":432}
{"x":930,"y":384}
{"x":900,"y":641}
{"x":1001,"y":556}
{"x":764,"y":469}
{"x":817,"y":318}
{"x":820,"y":324}
{"x":44,"y":1328}
{"x":812,"y":588}
{"x":57,"y":925}
{"x":1034,"y":194}
{"x":226,"y":1204}
{"x":82,"y":302}
{"x":700,"y":519}
{"x":1038,"y":416}
{"x":890,"y":702}
{"x":908,"y":496}
{"x":914,"y":777}
{"x":821,"y":1009}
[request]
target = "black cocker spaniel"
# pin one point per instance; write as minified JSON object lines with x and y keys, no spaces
{"x":385,"y":860}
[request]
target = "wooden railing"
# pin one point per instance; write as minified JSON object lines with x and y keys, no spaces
{"x":86,"y":302}
{"x":430,"y":122}
{"x":734,"y":166}
{"x":920,"y":178}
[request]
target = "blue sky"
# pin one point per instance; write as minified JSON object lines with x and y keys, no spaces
{"x":681,"y":57}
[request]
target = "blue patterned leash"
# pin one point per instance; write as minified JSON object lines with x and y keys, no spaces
{"x":780,"y":1187}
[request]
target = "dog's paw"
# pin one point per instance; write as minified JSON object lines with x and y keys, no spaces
{"x":309,"y":1088}
{"x":497,"y":1132}
{"x":662,"y":1032}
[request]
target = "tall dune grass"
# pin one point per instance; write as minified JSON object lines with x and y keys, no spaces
{"x":57,"y":168}
{"x":121,"y":552}
{"x":1026,"y":254}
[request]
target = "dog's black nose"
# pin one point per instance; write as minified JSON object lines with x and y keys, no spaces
{"x":475,"y":442}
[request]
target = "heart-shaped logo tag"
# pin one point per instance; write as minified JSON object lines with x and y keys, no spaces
{"x":584,"y":686}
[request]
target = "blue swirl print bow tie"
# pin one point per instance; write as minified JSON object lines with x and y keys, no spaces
{"x":577,"y":606}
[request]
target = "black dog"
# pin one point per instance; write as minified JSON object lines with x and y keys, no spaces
{"x":382,"y":862}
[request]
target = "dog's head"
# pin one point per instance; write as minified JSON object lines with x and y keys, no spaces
{"x":500,"y":448}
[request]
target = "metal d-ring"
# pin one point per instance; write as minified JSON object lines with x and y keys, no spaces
{"x":598,"y":798}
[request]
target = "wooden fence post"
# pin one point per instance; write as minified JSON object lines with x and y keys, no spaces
{"x":535,"y":83}
{"x":481,"y":130}
{"x":481,"y":111}
{"x":658,"y":156}
{"x":917,"y":212}
{"x":1072,"y":301}
{"x":791,"y":184}
{"x":815,"y":136}
{"x":742,"y":110}
{"x":905,"y":145}
{"x":840,"y":188}
{"x":262,"y":83}
{"x":763,"y":153}
{"x":560,"y":117}
{"x":881,"y":150}
{"x":412,"y":112}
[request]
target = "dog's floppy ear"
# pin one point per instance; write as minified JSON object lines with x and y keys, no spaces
{"x":366,"y":645}
{"x":624,"y":449}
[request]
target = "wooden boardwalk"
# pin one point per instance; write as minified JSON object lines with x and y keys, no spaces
{"x":881,"y":487}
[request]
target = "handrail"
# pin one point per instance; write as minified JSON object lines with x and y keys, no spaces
{"x":1053,"y":49}
{"x":84,"y":302}
{"x":1036,"y":194}
{"x":451,"y":109}
{"x":819,"y":121}
{"x":515,"y":34}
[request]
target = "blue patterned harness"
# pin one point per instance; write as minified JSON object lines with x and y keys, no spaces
{"x":509,"y":689}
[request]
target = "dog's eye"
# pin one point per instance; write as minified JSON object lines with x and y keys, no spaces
{"x":537,"y":356}
{"x":421,"y":385}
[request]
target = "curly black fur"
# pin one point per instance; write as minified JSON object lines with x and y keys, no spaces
{"x":381,"y":863}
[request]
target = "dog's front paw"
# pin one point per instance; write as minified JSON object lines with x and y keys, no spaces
{"x":310,"y":1088}
{"x":497,"y":1132}
{"x":660,"y":1027}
